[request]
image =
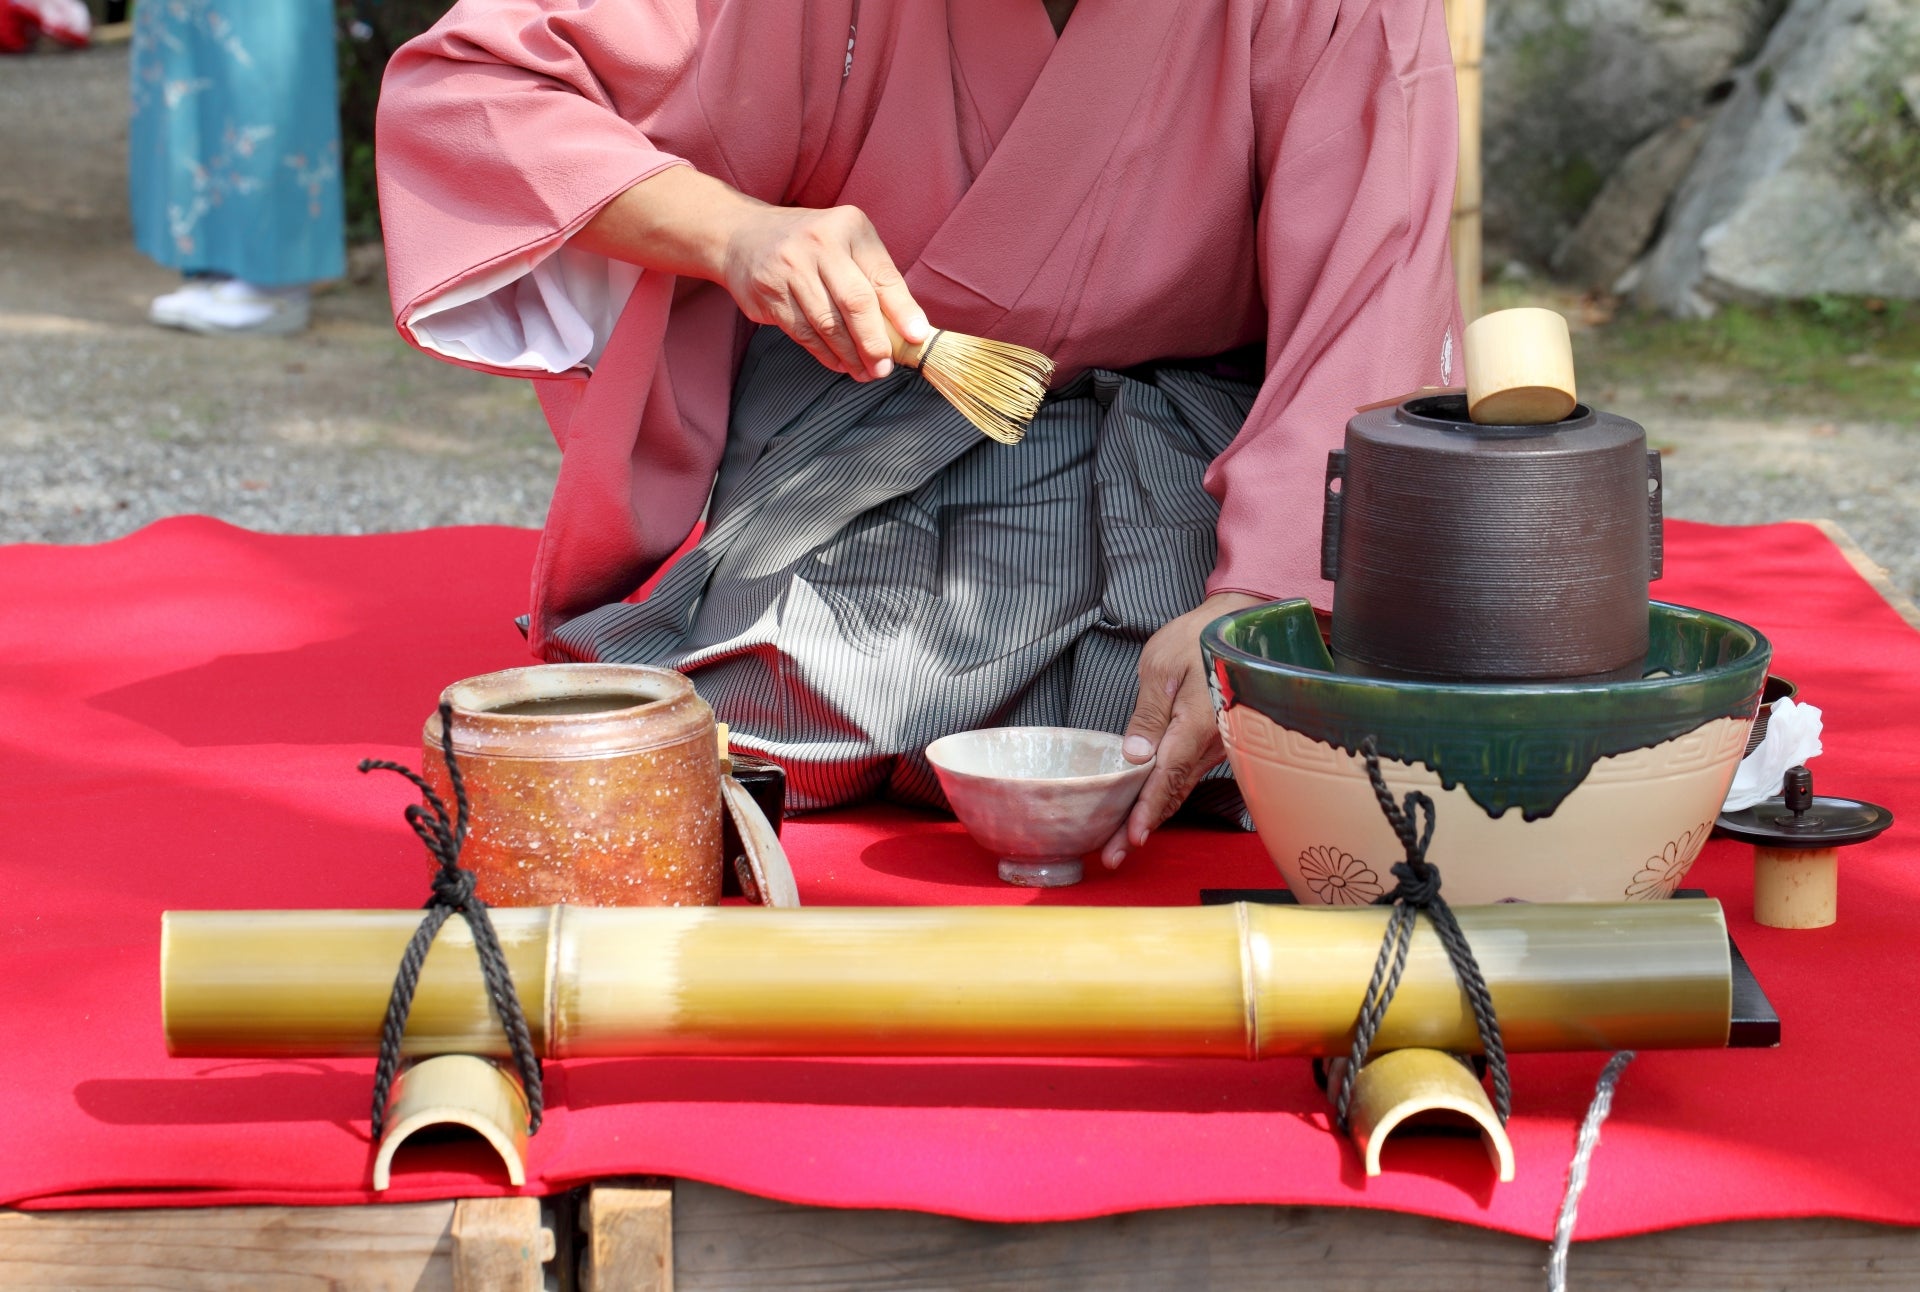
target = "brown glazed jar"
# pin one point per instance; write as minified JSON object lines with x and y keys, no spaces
{"x":1484,"y":553}
{"x":592,"y":784}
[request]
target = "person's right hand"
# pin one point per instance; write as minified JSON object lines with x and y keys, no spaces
{"x":821,"y":276}
{"x":824,"y":278}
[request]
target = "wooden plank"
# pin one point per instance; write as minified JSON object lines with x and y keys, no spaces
{"x":1465,"y":235}
{"x":1466,"y":183}
{"x":1466,"y":31}
{"x":407,"y":1247}
{"x":1870,"y":570}
{"x":630,"y":1239}
{"x":1466,"y":24}
{"x":499,"y":1245}
{"x":727,"y":1241}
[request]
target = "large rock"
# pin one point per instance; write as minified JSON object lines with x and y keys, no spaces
{"x":1572,"y":86}
{"x":1617,"y":226}
{"x":1808,"y":182}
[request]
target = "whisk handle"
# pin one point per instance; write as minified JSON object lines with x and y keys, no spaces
{"x":906,"y":352}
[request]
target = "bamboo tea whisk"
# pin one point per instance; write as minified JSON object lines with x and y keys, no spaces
{"x":996,"y":385}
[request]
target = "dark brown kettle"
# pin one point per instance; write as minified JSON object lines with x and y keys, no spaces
{"x":1469,"y":552}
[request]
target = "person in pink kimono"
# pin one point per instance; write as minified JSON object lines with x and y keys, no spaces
{"x":691,"y":222}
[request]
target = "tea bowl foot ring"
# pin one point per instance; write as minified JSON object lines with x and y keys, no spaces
{"x":1042,"y":872}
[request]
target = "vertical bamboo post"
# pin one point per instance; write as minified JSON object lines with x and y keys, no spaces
{"x":1466,"y":32}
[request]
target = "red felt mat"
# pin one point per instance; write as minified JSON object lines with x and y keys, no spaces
{"x":180,"y":713}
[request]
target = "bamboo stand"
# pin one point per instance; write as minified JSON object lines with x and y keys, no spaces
{"x":1466,"y":29}
{"x":1237,"y":982}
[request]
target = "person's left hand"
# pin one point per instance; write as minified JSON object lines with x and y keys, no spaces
{"x":1173,"y":721}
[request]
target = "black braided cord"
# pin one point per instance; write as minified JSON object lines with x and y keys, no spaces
{"x":1417,"y":891}
{"x":443,"y":833}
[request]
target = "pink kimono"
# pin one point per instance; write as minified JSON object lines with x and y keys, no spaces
{"x":1164,"y":179}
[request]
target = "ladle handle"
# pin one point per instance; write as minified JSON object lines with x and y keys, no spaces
{"x":1331,"y":512}
{"x":1656,"y":520}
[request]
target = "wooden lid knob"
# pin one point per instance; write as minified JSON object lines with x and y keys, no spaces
{"x":1519,"y":368}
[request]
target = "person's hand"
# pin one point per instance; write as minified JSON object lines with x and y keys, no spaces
{"x":824,"y":278}
{"x":1172,"y":722}
{"x":821,"y":276}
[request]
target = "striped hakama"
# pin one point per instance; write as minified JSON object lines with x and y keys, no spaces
{"x":875,"y":574}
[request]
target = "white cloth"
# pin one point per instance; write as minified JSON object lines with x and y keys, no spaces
{"x":1793,"y":736}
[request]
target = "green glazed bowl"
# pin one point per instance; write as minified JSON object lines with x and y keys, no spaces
{"x":1544,"y":791}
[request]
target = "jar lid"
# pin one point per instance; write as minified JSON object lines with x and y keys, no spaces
{"x":1800,"y":819}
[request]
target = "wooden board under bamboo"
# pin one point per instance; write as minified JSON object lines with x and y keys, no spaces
{"x":1233,"y":981}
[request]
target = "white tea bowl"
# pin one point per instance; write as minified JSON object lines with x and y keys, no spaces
{"x":1039,"y":798}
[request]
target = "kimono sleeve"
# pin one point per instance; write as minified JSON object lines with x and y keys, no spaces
{"x":501,"y":132}
{"x":1356,"y":136}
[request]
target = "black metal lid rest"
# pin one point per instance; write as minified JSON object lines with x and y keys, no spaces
{"x":1801,"y":819}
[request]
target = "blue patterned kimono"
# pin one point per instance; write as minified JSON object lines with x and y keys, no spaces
{"x":235,"y":139}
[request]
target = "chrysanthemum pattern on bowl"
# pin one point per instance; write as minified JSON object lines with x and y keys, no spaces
{"x":1662,"y":874}
{"x":1338,"y":878}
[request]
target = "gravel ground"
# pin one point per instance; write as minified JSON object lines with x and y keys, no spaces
{"x":107,"y":423}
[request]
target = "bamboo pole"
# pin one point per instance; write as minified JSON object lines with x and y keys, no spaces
{"x":1466,"y":30}
{"x":1233,"y":981}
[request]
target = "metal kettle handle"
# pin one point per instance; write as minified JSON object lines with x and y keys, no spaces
{"x":1331,"y":512}
{"x":1656,"y":529}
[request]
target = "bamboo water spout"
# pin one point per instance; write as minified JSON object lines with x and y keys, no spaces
{"x":1239,"y":981}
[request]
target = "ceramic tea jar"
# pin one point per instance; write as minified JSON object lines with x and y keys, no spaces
{"x":1543,"y":791}
{"x":592,"y":784}
{"x":1459,"y":550}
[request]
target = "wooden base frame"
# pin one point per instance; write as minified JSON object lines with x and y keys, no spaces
{"x":655,"y":1236}
{"x":497,"y":1244}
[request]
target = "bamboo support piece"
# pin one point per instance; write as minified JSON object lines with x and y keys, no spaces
{"x":456,"y":1090}
{"x":1238,"y":981}
{"x":1419,"y":1087}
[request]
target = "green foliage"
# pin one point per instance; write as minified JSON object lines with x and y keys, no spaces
{"x":1576,"y":182}
{"x":1877,"y":128}
{"x":1835,"y":358}
{"x":368,"y":33}
{"x":1548,"y":162}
